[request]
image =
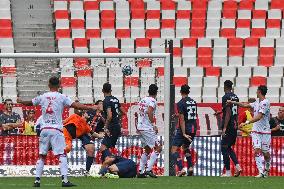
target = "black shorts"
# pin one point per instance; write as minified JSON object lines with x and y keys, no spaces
{"x":115,"y":132}
{"x":179,"y":139}
{"x":86,"y":139}
{"x":229,"y":140}
{"x":126,"y":169}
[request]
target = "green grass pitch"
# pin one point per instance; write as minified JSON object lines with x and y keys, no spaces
{"x":159,"y":183}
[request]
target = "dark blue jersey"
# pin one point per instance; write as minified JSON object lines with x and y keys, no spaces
{"x":112,"y":103}
{"x":233,"y":122}
{"x":188,"y":107}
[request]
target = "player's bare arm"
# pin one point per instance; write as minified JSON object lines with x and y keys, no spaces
{"x":79,"y":106}
{"x":182,"y":126}
{"x":227,"y":119}
{"x":123,"y":111}
{"x":241,"y":104}
{"x":108,"y":161}
{"x":258,"y":117}
{"x":277,"y":128}
{"x":150,"y":113}
{"x":96,"y":135}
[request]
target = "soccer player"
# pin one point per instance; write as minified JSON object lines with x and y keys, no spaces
{"x":148,"y":131}
{"x":229,"y":129}
{"x":52,"y":104}
{"x":261,"y":133}
{"x":118,"y":167}
{"x":185,"y":133}
{"x":75,"y":126}
{"x":111,"y":107}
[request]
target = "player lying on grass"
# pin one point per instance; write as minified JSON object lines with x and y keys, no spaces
{"x":75,"y":126}
{"x":118,"y":167}
{"x":185,"y":133}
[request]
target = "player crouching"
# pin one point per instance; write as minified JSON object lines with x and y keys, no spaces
{"x":118,"y":167}
{"x":148,"y":131}
{"x":185,"y":133}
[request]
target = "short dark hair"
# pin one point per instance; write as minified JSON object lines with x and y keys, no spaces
{"x":54,"y":82}
{"x":107,"y":88}
{"x":228,"y":84}
{"x":184,"y":89}
{"x":262,"y":89}
{"x":31,"y":111}
{"x":8,"y":100}
{"x":98,"y":101}
{"x":153,"y":89}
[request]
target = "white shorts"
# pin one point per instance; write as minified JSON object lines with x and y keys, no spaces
{"x":149,"y":138}
{"x":261,"y":141}
{"x":51,"y":138}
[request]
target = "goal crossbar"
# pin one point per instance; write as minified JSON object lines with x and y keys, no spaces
{"x":167,"y":82}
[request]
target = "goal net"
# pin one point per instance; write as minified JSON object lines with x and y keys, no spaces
{"x":82,"y":77}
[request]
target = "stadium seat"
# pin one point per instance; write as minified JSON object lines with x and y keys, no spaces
{"x":258,"y":80}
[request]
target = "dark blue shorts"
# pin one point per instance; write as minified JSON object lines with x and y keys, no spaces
{"x":126,"y":169}
{"x":86,"y":139}
{"x":229,"y":140}
{"x":110,"y":141}
{"x":179,"y":139}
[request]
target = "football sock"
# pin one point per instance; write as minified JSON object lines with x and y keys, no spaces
{"x":226,"y":158}
{"x":267,"y":165}
{"x":39,"y":168}
{"x":152,"y":160}
{"x":105,"y":154}
{"x":143,"y":162}
{"x":177,"y":160}
{"x":258,"y":160}
{"x":63,"y":167}
{"x":89,"y":163}
{"x":233,"y":156}
{"x":188,"y":158}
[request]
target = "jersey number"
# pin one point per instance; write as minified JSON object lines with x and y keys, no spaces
{"x":49,"y":109}
{"x":191,"y":112}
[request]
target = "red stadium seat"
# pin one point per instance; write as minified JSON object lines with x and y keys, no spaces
{"x":204,"y":52}
{"x":122,"y":33}
{"x":199,"y":4}
{"x":246,"y":5}
{"x":197,"y":33}
{"x":112,"y":50}
{"x":212,"y":71}
{"x":91,"y":5}
{"x":160,"y":71}
{"x":257,"y":32}
{"x":131,"y":81}
{"x":5,"y":24}
{"x":77,"y":24}
{"x":277,"y":4}
{"x":243,"y":23}
{"x":204,"y":61}
{"x":85,"y":73}
{"x":198,"y":24}
{"x":8,"y":70}
{"x":93,"y":33}
{"x":61,"y":14}
{"x":142,"y":42}
{"x":168,"y":23}
{"x":258,"y":80}
{"x":168,"y":5}
{"x":107,"y":24}
{"x":153,"y":33}
{"x":144,"y":63}
{"x":266,"y":61}
{"x":266,"y":56}
{"x":80,"y":42}
{"x":183,"y":14}
{"x":6,"y":33}
{"x":153,"y":14}
{"x":177,"y":52}
{"x":230,"y":14}
{"x":189,"y":42}
{"x":68,"y":82}
{"x":251,"y":42}
{"x":137,"y":5}
{"x":138,"y":14}
{"x":81,"y":62}
{"x":266,"y":51}
{"x":228,"y":33}
{"x":198,"y":14}
{"x":236,"y":51}
{"x":236,"y":42}
{"x":179,"y":81}
{"x":107,"y":15}
{"x":259,"y":14}
{"x":230,"y":5}
{"x":62,"y":33}
{"x":273,"y":23}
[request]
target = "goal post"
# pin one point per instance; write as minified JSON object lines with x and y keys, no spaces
{"x":167,"y":82}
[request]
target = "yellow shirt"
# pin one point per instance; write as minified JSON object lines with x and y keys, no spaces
{"x":29,"y":128}
{"x":247,"y":128}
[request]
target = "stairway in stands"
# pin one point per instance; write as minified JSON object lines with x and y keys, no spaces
{"x":33,"y":32}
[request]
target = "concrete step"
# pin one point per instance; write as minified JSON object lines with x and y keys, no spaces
{"x":33,"y":87}
{"x":19,"y":25}
{"x":30,"y":4}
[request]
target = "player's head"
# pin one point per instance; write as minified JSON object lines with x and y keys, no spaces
{"x":228,"y":85}
{"x":99,"y":103}
{"x":153,"y":90}
{"x":261,"y":91}
{"x":31,"y":114}
{"x":54,"y":83}
{"x":281,"y":113}
{"x":184,"y":90}
{"x":106,"y":88}
{"x":8,"y":104}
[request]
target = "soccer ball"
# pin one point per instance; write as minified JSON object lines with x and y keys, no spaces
{"x":127,"y":70}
